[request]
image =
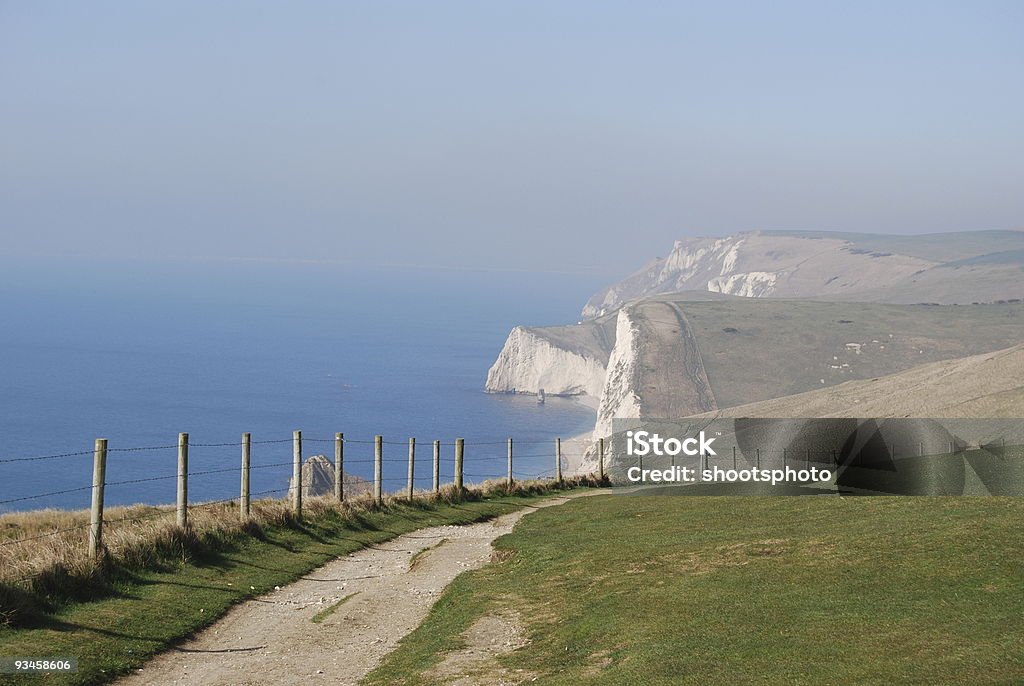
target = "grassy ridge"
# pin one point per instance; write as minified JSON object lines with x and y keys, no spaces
{"x":134,"y":613}
{"x":799,"y":590}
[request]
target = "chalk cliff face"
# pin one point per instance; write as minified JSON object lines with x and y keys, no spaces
{"x":531,"y":360}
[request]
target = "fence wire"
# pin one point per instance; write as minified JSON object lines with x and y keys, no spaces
{"x":482,"y":460}
{"x":424,"y":456}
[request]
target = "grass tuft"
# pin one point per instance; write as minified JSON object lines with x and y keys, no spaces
{"x":420,"y":555}
{"x":330,"y":610}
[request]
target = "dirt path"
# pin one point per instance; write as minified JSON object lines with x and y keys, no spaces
{"x":384,"y":593}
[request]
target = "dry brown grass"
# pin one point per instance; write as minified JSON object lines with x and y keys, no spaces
{"x":50,"y":556}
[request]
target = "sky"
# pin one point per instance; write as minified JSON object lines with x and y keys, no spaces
{"x":578,"y":136}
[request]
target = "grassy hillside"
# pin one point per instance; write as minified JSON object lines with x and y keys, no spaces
{"x":799,"y":590}
{"x":979,"y":386}
{"x":983,"y":279}
{"x":756,"y":349}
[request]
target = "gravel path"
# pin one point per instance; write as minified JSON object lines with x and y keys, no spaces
{"x":384,"y":593}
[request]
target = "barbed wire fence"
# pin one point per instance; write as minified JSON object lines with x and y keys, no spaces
{"x":486,"y":460}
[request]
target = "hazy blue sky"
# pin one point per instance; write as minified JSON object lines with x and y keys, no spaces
{"x":529,"y":135}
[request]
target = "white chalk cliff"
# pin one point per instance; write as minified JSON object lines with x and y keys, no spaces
{"x":618,"y":396}
{"x":531,"y":361}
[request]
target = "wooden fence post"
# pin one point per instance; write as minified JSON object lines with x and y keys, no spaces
{"x":183,"y":480}
{"x":437,"y":466}
{"x":412,"y":465}
{"x":99,"y":479}
{"x":459,"y":451}
{"x":378,"y":458}
{"x":509,"y":482}
{"x":600,"y":458}
{"x":243,"y":501}
{"x":297,"y":473}
{"x":558,"y":460}
{"x":339,"y":467}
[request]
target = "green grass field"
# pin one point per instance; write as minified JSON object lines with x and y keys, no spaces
{"x":742,"y":590}
{"x":144,"y":611}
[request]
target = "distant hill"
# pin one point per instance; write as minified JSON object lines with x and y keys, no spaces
{"x":964,"y":267}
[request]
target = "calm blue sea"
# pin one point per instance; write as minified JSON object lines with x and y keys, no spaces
{"x":136,"y":352}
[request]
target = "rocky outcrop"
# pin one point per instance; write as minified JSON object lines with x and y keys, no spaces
{"x":318,"y":479}
{"x":749,"y":285}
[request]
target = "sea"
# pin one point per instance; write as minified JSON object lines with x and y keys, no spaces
{"x":138,"y":351}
